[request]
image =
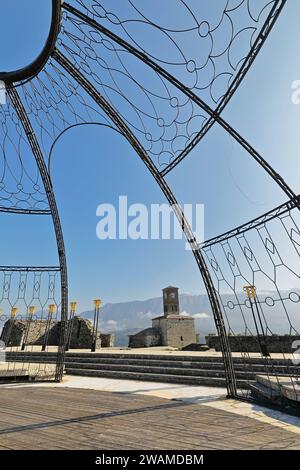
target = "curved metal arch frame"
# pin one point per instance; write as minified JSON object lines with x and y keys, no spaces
{"x":33,"y":142}
{"x":214,"y":115}
{"x":125,"y":131}
{"x":258,"y":44}
{"x":15,"y":210}
{"x":270,"y":215}
{"x":37,"y":65}
{"x":73,"y":126}
{"x":158,"y":175}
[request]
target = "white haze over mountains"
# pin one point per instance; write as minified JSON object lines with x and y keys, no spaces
{"x":129,"y":317}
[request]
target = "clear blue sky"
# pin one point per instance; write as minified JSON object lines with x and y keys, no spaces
{"x":93,"y":165}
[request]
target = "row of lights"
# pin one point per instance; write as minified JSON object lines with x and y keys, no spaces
{"x":32,"y":310}
{"x":73,"y":307}
{"x":249,"y":290}
{"x":52,"y":308}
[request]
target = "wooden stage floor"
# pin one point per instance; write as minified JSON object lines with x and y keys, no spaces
{"x":69,"y":418}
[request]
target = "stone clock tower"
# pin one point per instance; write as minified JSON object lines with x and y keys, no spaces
{"x":170,"y":301}
{"x":169,"y":329}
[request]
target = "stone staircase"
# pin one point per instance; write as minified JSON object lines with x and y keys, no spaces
{"x":27,"y":370}
{"x":182,"y":369}
{"x":278,"y":390}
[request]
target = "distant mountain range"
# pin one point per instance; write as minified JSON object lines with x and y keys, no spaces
{"x":129,"y":317}
{"x":126,"y":318}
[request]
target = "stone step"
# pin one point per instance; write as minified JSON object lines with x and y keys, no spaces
{"x":262,"y":393}
{"x":292,"y":391}
{"x":277,"y":389}
{"x":146,"y":357}
{"x":41,"y":357}
{"x":176,"y":358}
{"x":157,"y":370}
{"x":164,"y":378}
{"x":159,"y":357}
{"x":27,"y":371}
{"x":268,"y":382}
{"x":147,"y":362}
{"x":127,"y":361}
{"x":114,"y":357}
{"x":240,"y":374}
{"x":257,"y":368}
{"x":5,"y":373}
{"x":289,"y":387}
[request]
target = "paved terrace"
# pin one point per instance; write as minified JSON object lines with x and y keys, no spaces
{"x":98,"y":413}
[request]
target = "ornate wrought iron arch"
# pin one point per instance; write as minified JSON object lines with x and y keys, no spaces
{"x":15,"y":99}
{"x":215,"y":115}
{"x":125,"y":131}
{"x":31,"y":70}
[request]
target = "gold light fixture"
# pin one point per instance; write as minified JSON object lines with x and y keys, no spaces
{"x":52,"y":309}
{"x":14,"y":312}
{"x":97,"y":303}
{"x":31,"y":310}
{"x":250,"y":292}
{"x":73,"y":306}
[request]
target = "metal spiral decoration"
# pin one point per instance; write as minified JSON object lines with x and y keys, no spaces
{"x":162,"y":81}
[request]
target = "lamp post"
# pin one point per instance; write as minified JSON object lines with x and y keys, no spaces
{"x":13,"y":314}
{"x":51,"y":311}
{"x":31,"y":311}
{"x":97,"y":305}
{"x":73,"y":307}
{"x":261,"y":337}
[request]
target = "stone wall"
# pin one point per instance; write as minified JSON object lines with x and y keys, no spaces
{"x":82,"y":334}
{"x":239,"y":343}
{"x":13,"y":333}
{"x":145,"y":339}
{"x":107,"y":340}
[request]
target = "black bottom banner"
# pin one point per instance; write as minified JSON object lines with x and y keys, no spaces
{"x":128,"y":459}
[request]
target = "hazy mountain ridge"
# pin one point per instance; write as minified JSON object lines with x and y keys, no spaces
{"x":125,"y":318}
{"x":138,"y":313}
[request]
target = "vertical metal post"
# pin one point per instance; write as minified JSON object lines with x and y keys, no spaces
{"x":37,"y":152}
{"x":251,"y":294}
{"x":31,"y":311}
{"x":262,"y":337}
{"x":13,"y":315}
{"x":73,"y":306}
{"x":97,"y":305}
{"x":51,"y":310}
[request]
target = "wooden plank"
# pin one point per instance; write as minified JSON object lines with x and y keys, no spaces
{"x":65,"y":418}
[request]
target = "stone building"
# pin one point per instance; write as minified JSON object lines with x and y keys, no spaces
{"x":15,"y":331}
{"x":145,"y":339}
{"x":169,"y":329}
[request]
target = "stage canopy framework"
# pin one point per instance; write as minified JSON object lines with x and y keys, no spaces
{"x":162,"y":81}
